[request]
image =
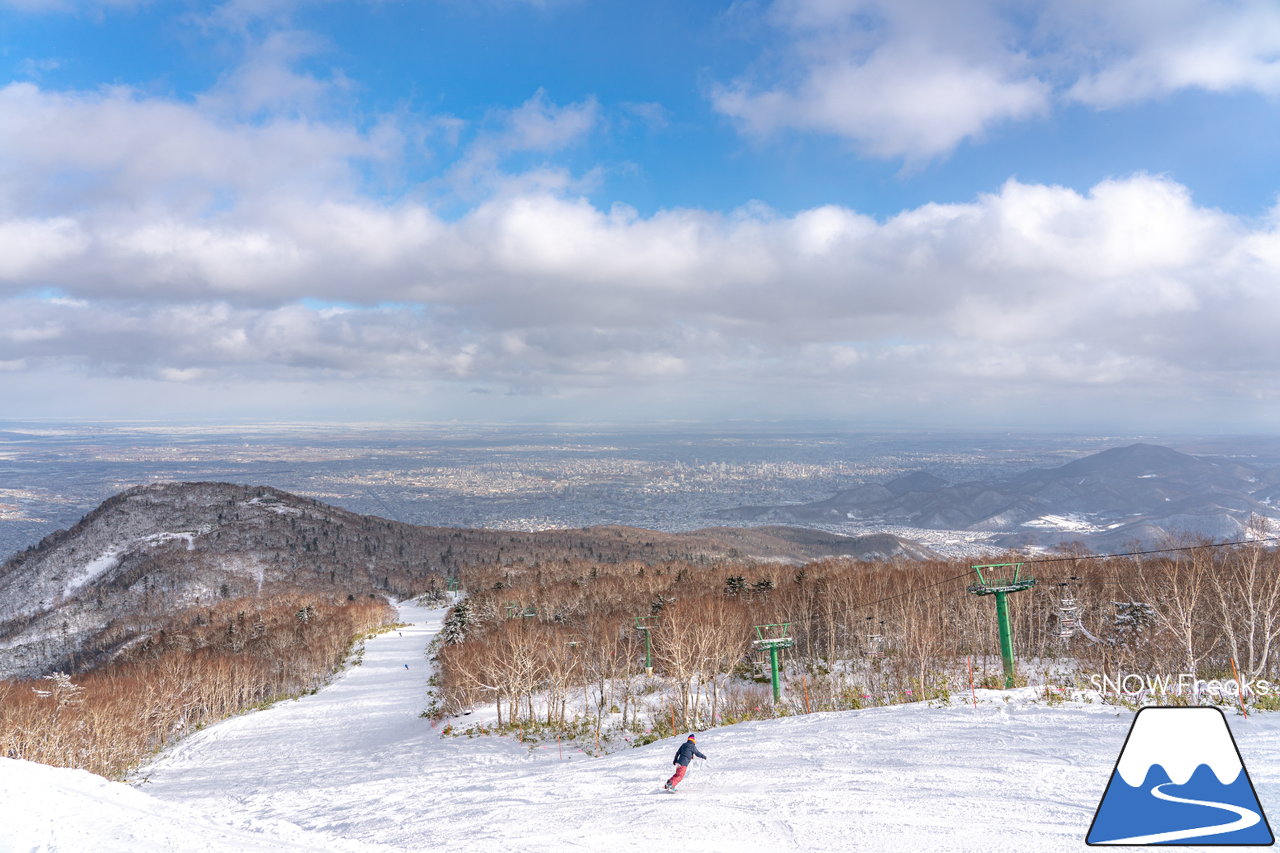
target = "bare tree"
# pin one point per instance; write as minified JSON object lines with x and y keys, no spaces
{"x":1247,"y":585}
{"x":1176,"y":591}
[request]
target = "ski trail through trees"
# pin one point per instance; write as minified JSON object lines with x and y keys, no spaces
{"x":363,"y":729}
{"x":357,"y":765}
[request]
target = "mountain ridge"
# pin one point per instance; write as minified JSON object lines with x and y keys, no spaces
{"x":1140,"y":492}
{"x":127,"y":566}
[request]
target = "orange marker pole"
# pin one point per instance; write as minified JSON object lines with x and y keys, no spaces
{"x":972,"y":691}
{"x":1239,"y":690}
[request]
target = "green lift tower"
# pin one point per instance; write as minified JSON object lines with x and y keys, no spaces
{"x":645,"y":625}
{"x":1000,"y":587}
{"x":774,"y":637}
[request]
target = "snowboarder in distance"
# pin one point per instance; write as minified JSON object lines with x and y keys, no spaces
{"x":684,"y":755}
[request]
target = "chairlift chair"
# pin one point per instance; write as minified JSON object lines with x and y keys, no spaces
{"x":875,"y":642}
{"x":1068,"y":613}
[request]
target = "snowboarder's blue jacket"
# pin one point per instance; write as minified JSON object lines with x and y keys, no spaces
{"x":686,"y":752}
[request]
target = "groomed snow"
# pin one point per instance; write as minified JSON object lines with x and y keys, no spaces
{"x":55,"y":809}
{"x":356,"y":767}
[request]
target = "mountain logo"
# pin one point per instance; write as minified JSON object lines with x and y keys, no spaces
{"x":1180,"y":780}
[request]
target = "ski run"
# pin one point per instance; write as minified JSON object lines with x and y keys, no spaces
{"x":355,"y":767}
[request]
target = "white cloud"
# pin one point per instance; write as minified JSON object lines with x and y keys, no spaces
{"x":1147,"y":49}
{"x":145,"y":238}
{"x":36,"y":68}
{"x":908,"y":78}
{"x":1039,"y":288}
{"x":117,"y":150}
{"x":539,"y":125}
{"x":651,"y":114}
{"x":268,"y":81}
{"x":32,"y":246}
{"x":916,"y":78}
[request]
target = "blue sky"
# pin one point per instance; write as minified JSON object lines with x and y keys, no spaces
{"x":991,"y":214}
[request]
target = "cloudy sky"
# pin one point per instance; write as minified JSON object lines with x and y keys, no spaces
{"x":1007,"y":214}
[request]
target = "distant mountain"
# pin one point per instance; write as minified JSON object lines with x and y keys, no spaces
{"x":129,"y":566}
{"x":1141,"y":493}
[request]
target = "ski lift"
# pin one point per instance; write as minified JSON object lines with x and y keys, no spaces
{"x":774,"y":637}
{"x":989,"y":585}
{"x":1068,"y":611}
{"x":519,"y":611}
{"x":645,"y":625}
{"x":875,"y":642}
{"x":1011,"y":580}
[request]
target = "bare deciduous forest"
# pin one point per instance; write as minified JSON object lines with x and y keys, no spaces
{"x":864,"y":634}
{"x":209,"y":664}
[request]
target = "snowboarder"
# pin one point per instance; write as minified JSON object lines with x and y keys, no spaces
{"x":684,"y":755}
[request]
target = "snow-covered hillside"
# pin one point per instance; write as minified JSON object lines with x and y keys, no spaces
{"x":355,"y":767}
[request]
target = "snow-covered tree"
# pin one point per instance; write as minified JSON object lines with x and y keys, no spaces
{"x":61,"y":690}
{"x":455,"y":626}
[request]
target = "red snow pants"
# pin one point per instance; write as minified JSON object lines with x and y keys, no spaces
{"x":679,"y":774}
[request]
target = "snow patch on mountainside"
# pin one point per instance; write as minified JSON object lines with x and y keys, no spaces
{"x":90,"y":570}
{"x":1074,"y":522}
{"x":273,"y":505}
{"x":110,"y":558}
{"x":188,"y":536}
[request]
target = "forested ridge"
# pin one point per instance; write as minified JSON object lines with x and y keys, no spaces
{"x":862,"y":633}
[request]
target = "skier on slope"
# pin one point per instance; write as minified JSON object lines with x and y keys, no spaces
{"x":684,"y":755}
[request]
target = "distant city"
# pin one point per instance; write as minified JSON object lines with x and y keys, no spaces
{"x":523,"y":478}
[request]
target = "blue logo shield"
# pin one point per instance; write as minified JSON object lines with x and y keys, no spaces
{"x":1180,"y":780}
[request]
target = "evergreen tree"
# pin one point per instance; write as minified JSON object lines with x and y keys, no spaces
{"x":454,"y":630}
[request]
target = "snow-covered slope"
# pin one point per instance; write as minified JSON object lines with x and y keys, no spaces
{"x":55,"y":809}
{"x":356,"y":765}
